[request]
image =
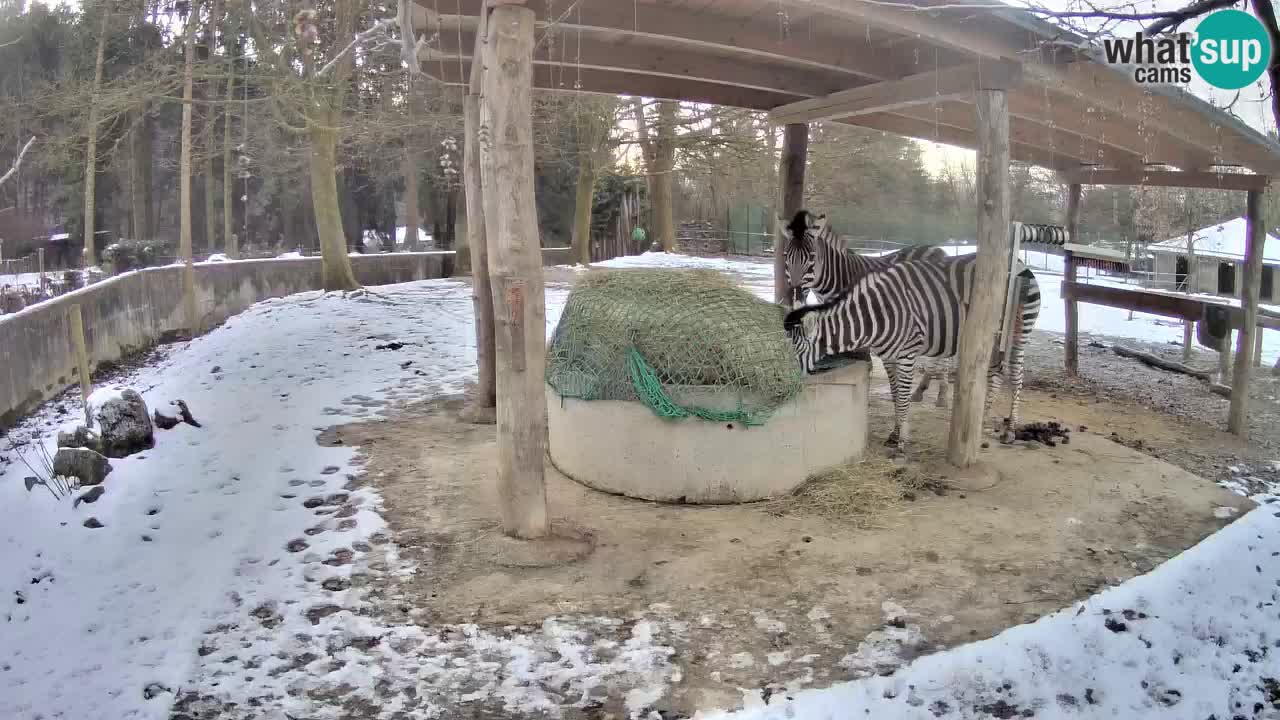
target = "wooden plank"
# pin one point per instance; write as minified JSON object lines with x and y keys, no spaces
{"x":956,"y":83}
{"x":983,"y":314}
{"x":515,"y":266}
{"x":1181,"y":307}
{"x":569,"y":54}
{"x":1071,"y":348}
{"x":704,"y":32}
{"x":795,"y":151}
{"x":1170,"y":178}
{"x":1238,"y":415}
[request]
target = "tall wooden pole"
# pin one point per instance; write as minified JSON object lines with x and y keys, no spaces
{"x":1071,"y":348}
{"x":990,"y":274}
{"x":795,"y":153}
{"x":481,"y":289}
{"x":1238,"y":417}
{"x":515,"y":267}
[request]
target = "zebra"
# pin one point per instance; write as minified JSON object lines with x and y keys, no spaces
{"x":820,"y":261}
{"x":908,"y":311}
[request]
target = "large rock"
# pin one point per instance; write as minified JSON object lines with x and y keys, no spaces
{"x":124,"y":425}
{"x":89,"y":467}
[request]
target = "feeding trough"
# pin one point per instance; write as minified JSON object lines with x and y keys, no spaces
{"x":678,"y":386}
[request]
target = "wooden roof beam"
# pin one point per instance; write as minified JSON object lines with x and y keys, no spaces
{"x":956,"y":83}
{"x":699,"y":31}
{"x":554,"y":78}
{"x":1168,"y":178}
{"x":634,"y":57}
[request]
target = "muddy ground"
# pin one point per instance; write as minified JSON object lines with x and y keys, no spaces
{"x":759,"y":602}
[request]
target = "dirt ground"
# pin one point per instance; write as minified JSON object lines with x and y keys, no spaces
{"x":780,"y":601}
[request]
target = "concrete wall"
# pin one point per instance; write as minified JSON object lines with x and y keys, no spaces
{"x":138,"y":309}
{"x":624,"y":448}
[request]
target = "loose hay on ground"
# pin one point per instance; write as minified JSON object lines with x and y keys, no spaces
{"x":868,"y":494}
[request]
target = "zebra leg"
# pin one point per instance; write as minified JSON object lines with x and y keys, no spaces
{"x":918,"y":394}
{"x":943,"y":370}
{"x":901,"y":392}
{"x":1015,"y":365}
{"x":891,"y":369}
{"x":995,"y":380}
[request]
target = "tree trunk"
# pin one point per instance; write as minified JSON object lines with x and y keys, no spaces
{"x":646,"y":153}
{"x":582,"y":211}
{"x":324,"y":199}
{"x":91,"y":149}
{"x":229,"y":236}
{"x":184,"y":171}
{"x":1071,"y":346}
{"x":664,"y":152}
{"x":412,"y":215}
{"x":791,"y":167}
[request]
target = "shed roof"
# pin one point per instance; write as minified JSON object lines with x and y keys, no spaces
{"x":1224,"y":240}
{"x":909,"y":63}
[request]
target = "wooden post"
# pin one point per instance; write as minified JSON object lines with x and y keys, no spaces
{"x":76,"y":321}
{"x":988,"y":292}
{"x":481,"y":289}
{"x":1257,"y":348}
{"x":1224,"y":358}
{"x":515,"y":267}
{"x":1238,"y":417}
{"x":795,"y":153}
{"x":40,"y":267}
{"x":1071,"y":348}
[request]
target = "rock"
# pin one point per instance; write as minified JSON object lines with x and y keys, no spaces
{"x":90,"y":467}
{"x":91,"y":496}
{"x":124,"y":425}
{"x":80,"y":437}
{"x":162,"y":421}
{"x":93,"y":523}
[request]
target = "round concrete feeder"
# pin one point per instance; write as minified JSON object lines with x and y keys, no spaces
{"x":624,"y":448}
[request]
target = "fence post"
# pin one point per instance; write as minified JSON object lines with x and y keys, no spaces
{"x":40,"y":265}
{"x":82,"y":359}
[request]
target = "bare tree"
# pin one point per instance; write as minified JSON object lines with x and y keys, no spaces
{"x":91,"y":148}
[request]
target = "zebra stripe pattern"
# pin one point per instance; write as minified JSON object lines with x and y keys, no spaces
{"x":908,"y":311}
{"x":816,"y":261}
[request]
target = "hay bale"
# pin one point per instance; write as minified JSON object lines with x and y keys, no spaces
{"x":676,"y":329}
{"x":868,"y":494}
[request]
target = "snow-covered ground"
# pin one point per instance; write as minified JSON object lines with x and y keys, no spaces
{"x":215,"y":531}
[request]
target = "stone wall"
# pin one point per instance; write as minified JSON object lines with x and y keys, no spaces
{"x":136,"y":310}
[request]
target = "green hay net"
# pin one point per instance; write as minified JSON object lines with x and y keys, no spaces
{"x":683,"y":342}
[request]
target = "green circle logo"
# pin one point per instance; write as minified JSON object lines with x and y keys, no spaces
{"x":1232,"y":49}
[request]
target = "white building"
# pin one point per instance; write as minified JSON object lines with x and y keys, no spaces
{"x":1219,"y":253}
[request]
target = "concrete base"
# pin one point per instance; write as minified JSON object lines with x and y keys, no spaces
{"x":622,"y":447}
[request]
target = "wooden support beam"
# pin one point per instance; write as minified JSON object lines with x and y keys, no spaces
{"x":1182,"y":307}
{"x":982,"y":316}
{"x":515,"y":266}
{"x":1071,"y":348}
{"x":956,"y":83}
{"x":481,"y":289}
{"x":1238,"y":416}
{"x":795,"y":153}
{"x":1170,"y":178}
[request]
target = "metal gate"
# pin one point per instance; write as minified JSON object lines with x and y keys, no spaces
{"x":749,"y":230}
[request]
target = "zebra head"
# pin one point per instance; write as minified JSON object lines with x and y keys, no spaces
{"x":800,"y":236}
{"x":801,"y":325}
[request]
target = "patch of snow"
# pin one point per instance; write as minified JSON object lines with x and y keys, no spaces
{"x":290,"y":254}
{"x":1223,"y":512}
{"x":1193,"y":638}
{"x":217,"y":258}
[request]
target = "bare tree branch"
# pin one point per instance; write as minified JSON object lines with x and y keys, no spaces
{"x":17,"y":163}
{"x":1195,"y":9}
{"x":1267,"y":14}
{"x":382,"y":26}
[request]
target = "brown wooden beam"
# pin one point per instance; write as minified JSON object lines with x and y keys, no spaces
{"x":1181,"y":307}
{"x":1071,"y":347}
{"x":1238,"y":415}
{"x":991,"y":273}
{"x":1169,"y":178}
{"x":956,"y":83}
{"x":795,"y":151}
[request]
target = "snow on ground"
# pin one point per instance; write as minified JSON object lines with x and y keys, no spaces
{"x":1195,"y":638}
{"x":224,"y":567}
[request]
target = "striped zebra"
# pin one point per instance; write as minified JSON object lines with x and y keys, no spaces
{"x":820,"y":261}
{"x":908,"y":311}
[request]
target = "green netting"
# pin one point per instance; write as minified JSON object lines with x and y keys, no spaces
{"x":682,"y":342}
